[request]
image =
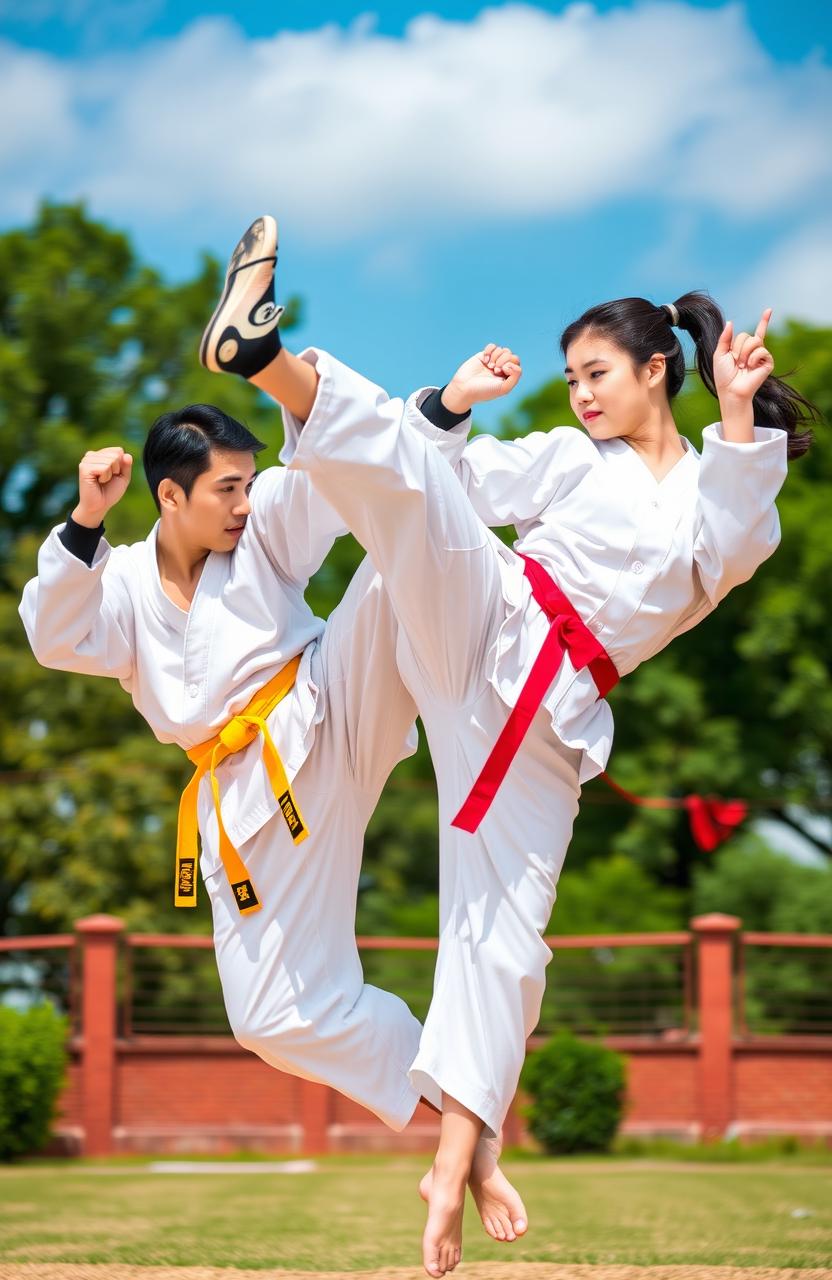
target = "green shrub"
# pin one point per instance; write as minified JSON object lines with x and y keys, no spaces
{"x":32,"y":1065}
{"x":577,"y":1094}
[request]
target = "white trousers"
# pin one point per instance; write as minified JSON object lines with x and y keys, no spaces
{"x":442,"y":569}
{"x":291,"y":974}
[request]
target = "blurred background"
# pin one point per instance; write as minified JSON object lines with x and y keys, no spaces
{"x":440,"y":180}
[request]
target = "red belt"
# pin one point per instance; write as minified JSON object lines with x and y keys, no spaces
{"x":567,"y":634}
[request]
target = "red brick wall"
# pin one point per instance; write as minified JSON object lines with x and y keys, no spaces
{"x":173,"y":1097}
{"x":662,"y":1090}
{"x":784,"y":1089}
{"x":207,"y":1094}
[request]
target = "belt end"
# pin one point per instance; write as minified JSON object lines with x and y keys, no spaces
{"x":245,"y":897}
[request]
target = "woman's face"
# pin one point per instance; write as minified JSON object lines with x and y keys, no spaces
{"x":609,"y":395}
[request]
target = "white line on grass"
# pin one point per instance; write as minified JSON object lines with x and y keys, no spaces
{"x":231,"y":1166}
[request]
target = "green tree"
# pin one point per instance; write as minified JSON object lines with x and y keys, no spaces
{"x":93,"y":345}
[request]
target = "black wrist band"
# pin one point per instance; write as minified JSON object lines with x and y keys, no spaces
{"x":81,"y":541}
{"x":434,"y":410}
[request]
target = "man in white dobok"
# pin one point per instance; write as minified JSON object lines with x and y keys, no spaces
{"x":293,"y":725}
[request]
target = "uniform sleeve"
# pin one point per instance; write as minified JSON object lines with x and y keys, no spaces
{"x":450,"y":441}
{"x":737,"y":525}
{"x":79,"y":617}
{"x":513,"y":481}
{"x":297,"y":526}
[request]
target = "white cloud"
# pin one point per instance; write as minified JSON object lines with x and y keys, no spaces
{"x":516,"y":113}
{"x":798,"y":269}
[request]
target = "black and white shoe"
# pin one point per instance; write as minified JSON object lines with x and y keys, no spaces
{"x":242,"y":335}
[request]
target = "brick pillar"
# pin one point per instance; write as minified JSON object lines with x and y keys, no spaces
{"x":99,"y":940}
{"x":314,"y":1111}
{"x":716,"y":936}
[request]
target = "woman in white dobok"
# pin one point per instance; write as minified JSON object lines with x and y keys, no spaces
{"x":628,"y":536}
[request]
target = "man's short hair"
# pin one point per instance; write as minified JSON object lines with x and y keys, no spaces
{"x":179,"y":444}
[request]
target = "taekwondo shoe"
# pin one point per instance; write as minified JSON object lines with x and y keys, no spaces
{"x":242,"y":335}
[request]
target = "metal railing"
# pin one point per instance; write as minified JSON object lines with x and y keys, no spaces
{"x":42,"y":968}
{"x":622,"y":984}
{"x":784,"y":984}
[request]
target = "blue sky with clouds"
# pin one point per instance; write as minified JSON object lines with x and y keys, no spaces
{"x":445,"y":175}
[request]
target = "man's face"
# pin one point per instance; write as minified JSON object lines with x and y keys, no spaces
{"x":214,"y":515}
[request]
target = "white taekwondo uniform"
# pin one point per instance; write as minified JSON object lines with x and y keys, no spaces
{"x":640,"y":560}
{"x":291,"y":974}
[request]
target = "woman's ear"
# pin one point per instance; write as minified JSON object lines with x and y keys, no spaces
{"x":656,"y":370}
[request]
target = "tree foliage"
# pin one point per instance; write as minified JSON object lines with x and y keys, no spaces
{"x":93,"y":345}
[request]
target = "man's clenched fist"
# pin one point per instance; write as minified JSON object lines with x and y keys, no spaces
{"x":103,"y":476}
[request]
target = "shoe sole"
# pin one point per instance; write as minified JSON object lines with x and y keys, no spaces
{"x":257,"y":244}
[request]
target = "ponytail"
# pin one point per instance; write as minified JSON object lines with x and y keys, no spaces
{"x":641,"y":329}
{"x":776,"y":404}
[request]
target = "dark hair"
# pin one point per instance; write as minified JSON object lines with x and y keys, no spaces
{"x":178,"y":445}
{"x":641,"y":329}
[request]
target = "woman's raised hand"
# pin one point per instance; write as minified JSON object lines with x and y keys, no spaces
{"x":491,"y":373}
{"x":742,"y":363}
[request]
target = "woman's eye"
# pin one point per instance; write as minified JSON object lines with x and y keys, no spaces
{"x":570,"y":382}
{"x":598,"y":373}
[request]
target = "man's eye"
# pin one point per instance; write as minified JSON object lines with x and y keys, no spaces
{"x":227,"y":489}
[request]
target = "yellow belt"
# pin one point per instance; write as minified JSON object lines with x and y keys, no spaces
{"x":238,"y":733}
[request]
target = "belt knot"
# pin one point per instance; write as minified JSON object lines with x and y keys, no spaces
{"x":241,"y":730}
{"x":238,"y":733}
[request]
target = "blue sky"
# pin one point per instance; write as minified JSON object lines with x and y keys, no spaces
{"x":442,"y":176}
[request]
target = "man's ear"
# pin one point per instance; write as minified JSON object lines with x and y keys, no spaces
{"x":170,"y":495}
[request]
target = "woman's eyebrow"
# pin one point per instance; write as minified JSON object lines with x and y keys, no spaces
{"x":587,"y":363}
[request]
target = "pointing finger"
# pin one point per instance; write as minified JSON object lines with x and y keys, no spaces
{"x":760,"y":331}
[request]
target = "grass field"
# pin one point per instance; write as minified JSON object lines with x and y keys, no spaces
{"x":354,"y":1214}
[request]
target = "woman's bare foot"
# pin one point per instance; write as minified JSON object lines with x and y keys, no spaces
{"x":459,"y":1132}
{"x":502,"y":1211}
{"x":442,"y":1240}
{"x":500,"y":1207}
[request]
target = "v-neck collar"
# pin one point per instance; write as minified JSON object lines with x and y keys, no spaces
{"x":170,"y":611}
{"x":640,"y":468}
